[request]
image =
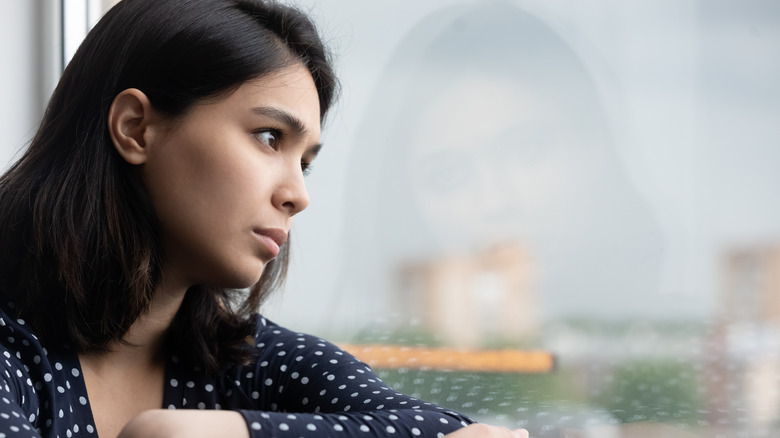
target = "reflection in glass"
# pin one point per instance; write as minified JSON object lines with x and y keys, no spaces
{"x":489,"y":131}
{"x":488,"y":208}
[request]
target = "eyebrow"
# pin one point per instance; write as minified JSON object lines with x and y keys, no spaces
{"x":283,"y":117}
{"x":290,"y":121}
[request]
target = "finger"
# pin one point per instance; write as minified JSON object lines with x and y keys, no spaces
{"x":520,"y":433}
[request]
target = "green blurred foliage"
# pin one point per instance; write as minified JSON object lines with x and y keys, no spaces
{"x":652,"y":390}
{"x":480,"y":394}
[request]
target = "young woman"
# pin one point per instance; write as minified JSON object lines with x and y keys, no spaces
{"x":163,"y":181}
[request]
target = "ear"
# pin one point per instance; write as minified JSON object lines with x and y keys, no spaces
{"x":129,"y":123}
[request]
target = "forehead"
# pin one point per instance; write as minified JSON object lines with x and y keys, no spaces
{"x":291,"y":90}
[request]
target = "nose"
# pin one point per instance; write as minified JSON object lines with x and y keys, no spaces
{"x":291,"y":194}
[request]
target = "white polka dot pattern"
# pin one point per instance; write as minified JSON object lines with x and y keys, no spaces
{"x":42,"y":393}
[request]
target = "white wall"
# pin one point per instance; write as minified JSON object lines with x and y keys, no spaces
{"x":21,"y":103}
{"x":29,"y":49}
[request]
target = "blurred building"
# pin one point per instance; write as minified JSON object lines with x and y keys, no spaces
{"x":752,"y":285}
{"x":473,"y":300}
{"x":745,"y":342}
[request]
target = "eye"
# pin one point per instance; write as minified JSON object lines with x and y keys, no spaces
{"x":305,"y":168}
{"x":269,"y":137}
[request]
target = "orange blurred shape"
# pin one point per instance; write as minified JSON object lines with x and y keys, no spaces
{"x":448,"y":359}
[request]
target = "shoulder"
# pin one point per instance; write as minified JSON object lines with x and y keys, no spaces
{"x":27,"y":363}
{"x":288,"y":364}
{"x":275,"y":342}
{"x":268,"y":330}
{"x":17,"y":341}
{"x":303,"y":357}
{"x":20,"y":356}
{"x":298,"y":372}
{"x":41,"y":389}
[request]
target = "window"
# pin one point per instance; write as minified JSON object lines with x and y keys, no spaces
{"x":78,"y":16}
{"x":512,"y":182}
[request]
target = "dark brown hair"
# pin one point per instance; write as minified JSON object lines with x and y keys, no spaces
{"x":81,"y":250}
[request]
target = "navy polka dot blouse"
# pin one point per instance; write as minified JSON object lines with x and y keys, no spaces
{"x":300,"y":386}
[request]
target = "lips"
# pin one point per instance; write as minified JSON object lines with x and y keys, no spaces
{"x":273,"y":238}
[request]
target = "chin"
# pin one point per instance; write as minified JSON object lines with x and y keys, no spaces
{"x":241,"y":279}
{"x":248,"y":281}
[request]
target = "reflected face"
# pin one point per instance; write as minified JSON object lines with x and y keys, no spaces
{"x":492,"y":161}
{"x":227,"y":178}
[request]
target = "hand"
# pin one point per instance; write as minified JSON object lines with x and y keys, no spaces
{"x":164,"y":423}
{"x":486,"y":431}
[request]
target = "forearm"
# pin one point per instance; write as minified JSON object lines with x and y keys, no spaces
{"x":369,"y":424}
{"x":163,"y":423}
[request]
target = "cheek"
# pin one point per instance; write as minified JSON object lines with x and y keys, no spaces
{"x":207,"y":204}
{"x":202,"y":186}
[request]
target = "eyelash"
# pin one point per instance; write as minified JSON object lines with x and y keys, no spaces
{"x":306,"y":167}
{"x":277,"y":134}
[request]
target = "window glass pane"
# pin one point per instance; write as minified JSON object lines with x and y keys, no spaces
{"x":591,"y":181}
{"x":552,"y":214}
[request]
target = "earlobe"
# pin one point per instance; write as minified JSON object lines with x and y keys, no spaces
{"x":129,"y":120}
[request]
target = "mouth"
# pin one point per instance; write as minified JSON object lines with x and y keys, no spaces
{"x":272,"y":238}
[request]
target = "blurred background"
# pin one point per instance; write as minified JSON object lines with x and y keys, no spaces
{"x":591,"y":181}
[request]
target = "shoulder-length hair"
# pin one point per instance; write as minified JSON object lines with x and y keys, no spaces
{"x":81,"y":253}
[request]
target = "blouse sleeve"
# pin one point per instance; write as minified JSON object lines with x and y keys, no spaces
{"x":15,"y":422}
{"x":305,"y":386}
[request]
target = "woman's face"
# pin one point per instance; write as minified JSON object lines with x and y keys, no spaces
{"x":227,"y":178}
{"x":491,"y":161}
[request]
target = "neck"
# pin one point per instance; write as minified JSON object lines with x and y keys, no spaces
{"x":144,"y":342}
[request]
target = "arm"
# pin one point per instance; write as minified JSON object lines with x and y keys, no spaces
{"x":304,"y":386}
{"x":161,"y":423}
{"x":302,"y":383}
{"x":486,"y":431}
